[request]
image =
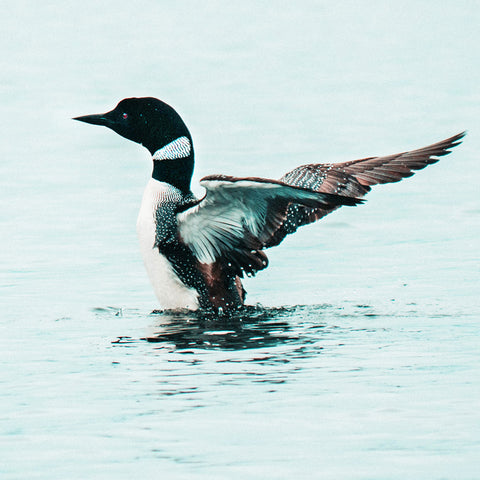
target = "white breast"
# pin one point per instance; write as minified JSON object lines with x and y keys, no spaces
{"x":168,"y":288}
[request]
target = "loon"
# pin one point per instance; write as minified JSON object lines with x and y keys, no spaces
{"x":196,"y":251}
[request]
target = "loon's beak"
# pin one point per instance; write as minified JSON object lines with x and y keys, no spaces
{"x":96,"y":119}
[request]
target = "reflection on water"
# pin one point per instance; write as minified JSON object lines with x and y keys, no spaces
{"x":256,"y":345}
{"x":252,"y":327}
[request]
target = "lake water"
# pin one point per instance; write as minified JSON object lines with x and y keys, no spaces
{"x":359,"y":358}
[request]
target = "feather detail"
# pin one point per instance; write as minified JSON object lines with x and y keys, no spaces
{"x":238,"y":216}
{"x":354,"y":179}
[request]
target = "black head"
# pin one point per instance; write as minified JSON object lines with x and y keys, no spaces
{"x":147,"y":121}
{"x":155,"y":125}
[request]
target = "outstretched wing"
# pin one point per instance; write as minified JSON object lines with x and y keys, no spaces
{"x":237,"y":216}
{"x":354,"y":179}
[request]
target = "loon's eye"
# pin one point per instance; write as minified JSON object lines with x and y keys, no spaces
{"x":125,"y":116}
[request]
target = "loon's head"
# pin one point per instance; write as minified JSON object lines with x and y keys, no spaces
{"x":159,"y":128}
{"x":147,"y":121}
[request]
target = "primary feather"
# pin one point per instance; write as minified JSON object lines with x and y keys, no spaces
{"x":354,"y":179}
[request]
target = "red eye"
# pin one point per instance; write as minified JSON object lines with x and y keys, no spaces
{"x":125,"y":116}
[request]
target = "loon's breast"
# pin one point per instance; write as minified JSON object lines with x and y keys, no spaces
{"x":169,"y":289}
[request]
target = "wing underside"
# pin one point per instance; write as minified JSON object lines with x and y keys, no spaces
{"x":238,"y":216}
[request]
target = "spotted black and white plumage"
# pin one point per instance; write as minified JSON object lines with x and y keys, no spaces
{"x":156,"y":232}
{"x":197,"y":250}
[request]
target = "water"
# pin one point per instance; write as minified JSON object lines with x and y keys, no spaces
{"x":363,"y":361}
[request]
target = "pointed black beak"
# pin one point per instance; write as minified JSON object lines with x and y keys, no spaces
{"x":97,"y":119}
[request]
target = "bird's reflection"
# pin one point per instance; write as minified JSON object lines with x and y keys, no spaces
{"x":251,"y":327}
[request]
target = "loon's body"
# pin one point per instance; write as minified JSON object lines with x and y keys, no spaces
{"x":197,"y":250}
{"x":169,"y":289}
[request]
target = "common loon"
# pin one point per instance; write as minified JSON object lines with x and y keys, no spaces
{"x":197,"y":250}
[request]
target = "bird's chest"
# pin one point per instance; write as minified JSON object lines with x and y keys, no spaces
{"x":156,"y":225}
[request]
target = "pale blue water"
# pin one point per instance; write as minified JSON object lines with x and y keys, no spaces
{"x":364,"y":364}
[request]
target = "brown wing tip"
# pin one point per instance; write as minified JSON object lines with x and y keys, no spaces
{"x":459,"y":136}
{"x":452,"y":142}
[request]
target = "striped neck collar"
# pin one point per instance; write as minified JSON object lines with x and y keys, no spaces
{"x":174,"y":163}
{"x":179,"y":148}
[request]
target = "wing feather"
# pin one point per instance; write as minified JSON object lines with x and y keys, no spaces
{"x":237,"y":216}
{"x":355,"y":179}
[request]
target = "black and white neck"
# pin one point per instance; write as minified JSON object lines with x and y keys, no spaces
{"x":174,"y":163}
